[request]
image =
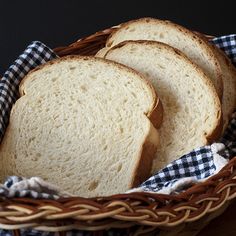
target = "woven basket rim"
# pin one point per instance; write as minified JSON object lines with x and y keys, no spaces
{"x":121,"y":210}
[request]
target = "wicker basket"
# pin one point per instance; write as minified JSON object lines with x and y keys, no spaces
{"x":137,"y":213}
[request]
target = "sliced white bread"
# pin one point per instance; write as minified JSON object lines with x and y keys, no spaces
{"x":83,"y":124}
{"x":192,"y":109}
{"x":195,"y":47}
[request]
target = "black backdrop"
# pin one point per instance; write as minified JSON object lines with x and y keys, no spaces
{"x":58,"y":23}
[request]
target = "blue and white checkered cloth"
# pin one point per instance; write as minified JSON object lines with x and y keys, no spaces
{"x":228,"y":45}
{"x":197,"y":165}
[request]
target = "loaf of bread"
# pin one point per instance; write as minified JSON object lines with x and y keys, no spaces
{"x":192,"y":109}
{"x":83,"y":124}
{"x":192,"y":45}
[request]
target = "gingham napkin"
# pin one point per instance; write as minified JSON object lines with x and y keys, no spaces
{"x":195,"y":166}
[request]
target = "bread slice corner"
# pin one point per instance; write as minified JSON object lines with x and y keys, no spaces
{"x":197,"y":48}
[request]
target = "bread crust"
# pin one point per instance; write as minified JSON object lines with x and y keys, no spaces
{"x":148,"y":148}
{"x":144,"y":165}
{"x":215,"y":132}
{"x":223,"y":58}
{"x":200,"y":40}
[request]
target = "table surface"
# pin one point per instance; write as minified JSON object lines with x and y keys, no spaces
{"x":59,"y":23}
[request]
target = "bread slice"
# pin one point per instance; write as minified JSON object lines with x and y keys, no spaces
{"x":229,"y":81}
{"x":192,"y":109}
{"x":195,"y":47}
{"x":83,"y":124}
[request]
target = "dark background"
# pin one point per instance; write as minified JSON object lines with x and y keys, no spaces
{"x":59,"y":23}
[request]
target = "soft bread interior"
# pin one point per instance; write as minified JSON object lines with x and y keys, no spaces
{"x":82,"y":123}
{"x":192,"y":110}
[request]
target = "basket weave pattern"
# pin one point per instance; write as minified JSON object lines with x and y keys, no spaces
{"x":122,"y":210}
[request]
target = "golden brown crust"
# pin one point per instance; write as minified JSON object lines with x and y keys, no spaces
{"x":149,"y":147}
{"x":216,"y":132}
{"x":227,"y":61}
{"x":219,"y":70}
{"x":201,"y":40}
{"x":144,"y":165}
{"x":156,"y":116}
{"x":227,"y":68}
